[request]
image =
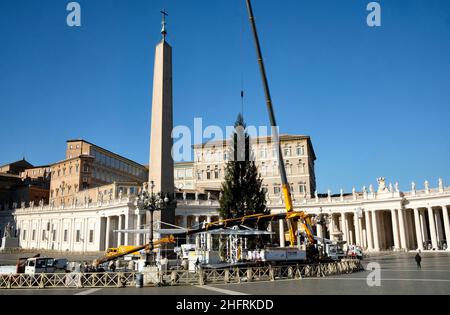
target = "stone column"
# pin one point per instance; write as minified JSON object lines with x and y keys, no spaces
{"x":208,"y":236}
{"x":39,"y":234}
{"x":376,"y":242}
{"x":423,"y":224}
{"x":344,"y":229}
{"x":270,"y":229}
{"x":184,"y":222}
{"x":350,"y":231}
{"x":440,"y":232}
{"x":127,"y":226}
{"x":72,"y":235}
{"x":418,"y":229}
{"x":85,"y":235}
{"x":138,"y":227}
{"x":401,"y":220}
{"x":186,"y":225}
{"x":395,"y":230}
{"x":361,"y":234}
{"x":446,"y":226}
{"x":108,"y":229}
{"x":120,"y":235}
{"x":197,"y":237}
{"x":319,"y":231}
{"x":357,"y":229}
{"x":60,"y":234}
{"x":432,"y":227}
{"x":411,"y":229}
{"x":381,"y":229}
{"x":368,"y":216}
{"x":281,"y":229}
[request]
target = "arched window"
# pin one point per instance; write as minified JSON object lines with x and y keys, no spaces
{"x":263,"y":169}
{"x":276,"y":189}
{"x":216,"y":172}
{"x":263,"y":153}
{"x":301,"y":167}
{"x":276,"y":170}
{"x":287,"y":151}
{"x":288,"y":168}
{"x":302,"y":188}
{"x":274,"y":152}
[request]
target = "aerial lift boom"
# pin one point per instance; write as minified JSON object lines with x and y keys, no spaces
{"x":286,"y":189}
{"x":156,"y":244}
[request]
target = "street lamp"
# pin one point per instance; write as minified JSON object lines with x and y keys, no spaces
{"x":149,"y":201}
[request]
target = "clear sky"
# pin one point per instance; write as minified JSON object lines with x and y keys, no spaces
{"x":376,"y":101}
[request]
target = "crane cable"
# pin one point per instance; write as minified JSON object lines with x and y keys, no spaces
{"x":241,"y":47}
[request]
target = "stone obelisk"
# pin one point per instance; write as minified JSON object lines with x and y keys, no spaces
{"x":161,"y":161}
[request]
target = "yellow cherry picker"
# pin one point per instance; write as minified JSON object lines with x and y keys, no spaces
{"x":292,"y":217}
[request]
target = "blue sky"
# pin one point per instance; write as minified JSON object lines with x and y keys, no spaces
{"x":376,"y":101}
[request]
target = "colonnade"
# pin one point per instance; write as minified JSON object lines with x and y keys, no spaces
{"x":420,"y":228}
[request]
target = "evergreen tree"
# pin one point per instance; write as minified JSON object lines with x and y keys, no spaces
{"x":243,"y":193}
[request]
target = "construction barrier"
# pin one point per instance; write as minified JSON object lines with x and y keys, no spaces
{"x":179,"y":277}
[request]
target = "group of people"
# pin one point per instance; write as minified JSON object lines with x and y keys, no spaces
{"x":442,"y":245}
{"x":115,"y":264}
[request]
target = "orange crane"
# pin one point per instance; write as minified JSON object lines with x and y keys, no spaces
{"x":292,"y":216}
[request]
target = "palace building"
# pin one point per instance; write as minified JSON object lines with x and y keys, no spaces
{"x":208,"y":170}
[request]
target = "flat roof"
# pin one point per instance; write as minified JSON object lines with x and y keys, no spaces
{"x":106,"y":150}
{"x":74,"y":158}
{"x":184,"y":163}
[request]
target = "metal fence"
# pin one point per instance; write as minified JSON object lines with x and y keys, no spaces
{"x":178,"y":277}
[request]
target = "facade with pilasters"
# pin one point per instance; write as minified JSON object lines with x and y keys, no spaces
{"x":378,"y":221}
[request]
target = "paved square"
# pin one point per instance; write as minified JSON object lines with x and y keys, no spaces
{"x":399,"y":275}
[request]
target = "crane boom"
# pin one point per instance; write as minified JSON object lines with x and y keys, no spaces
{"x":156,"y":244}
{"x":284,"y":180}
{"x":221,"y":224}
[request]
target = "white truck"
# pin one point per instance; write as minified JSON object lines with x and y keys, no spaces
{"x":45,"y":265}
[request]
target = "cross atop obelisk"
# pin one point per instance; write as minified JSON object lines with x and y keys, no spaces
{"x":164,"y":24}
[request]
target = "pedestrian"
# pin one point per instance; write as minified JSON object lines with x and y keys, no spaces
{"x":197,"y":264}
{"x":112,"y":266}
{"x":419,"y":260}
{"x":131,"y":266}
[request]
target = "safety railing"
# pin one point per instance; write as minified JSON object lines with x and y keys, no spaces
{"x":68,"y":280}
{"x":179,"y":277}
